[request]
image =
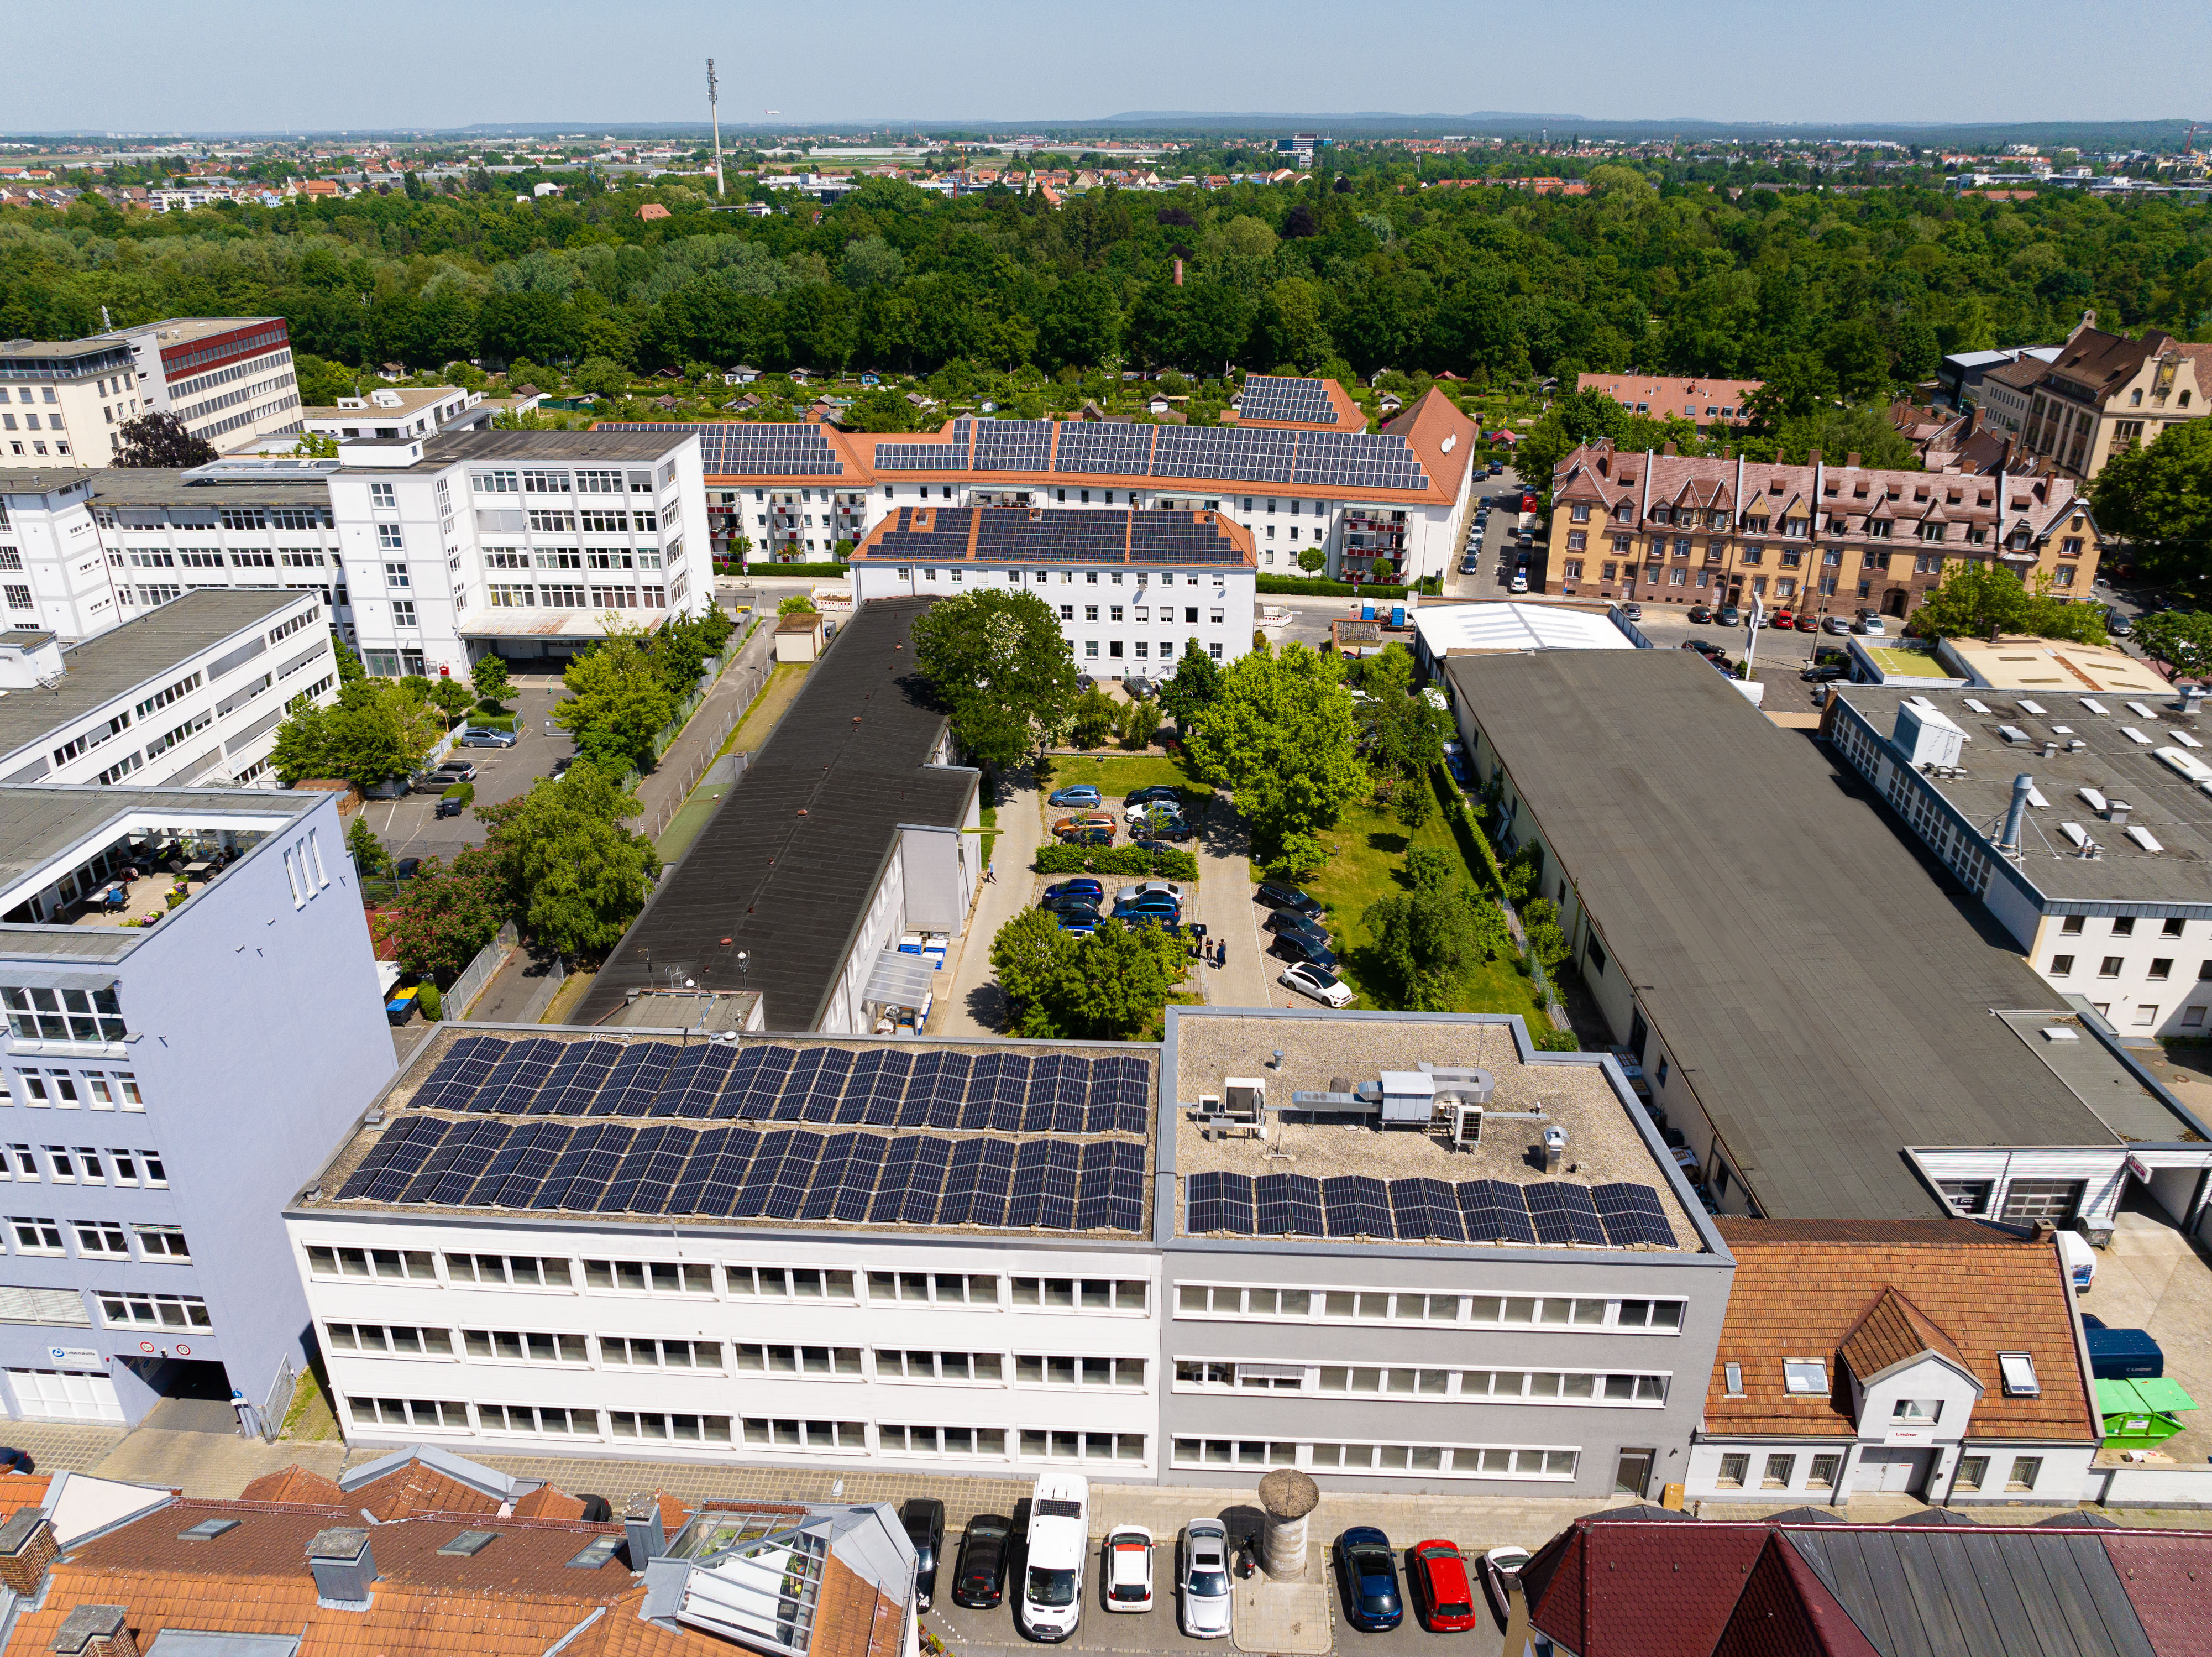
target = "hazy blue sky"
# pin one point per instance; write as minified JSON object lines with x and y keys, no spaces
{"x":139,"y":65}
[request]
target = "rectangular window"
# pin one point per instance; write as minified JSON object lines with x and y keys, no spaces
{"x":398,"y":1340}
{"x":1734,"y":1469}
{"x":491,"y":1271}
{"x":644,"y":1352}
{"x":1778,"y":1472}
{"x":1822,"y":1475}
{"x":1040,"y":1369}
{"x":325,"y":1260}
{"x":2061,"y":965}
{"x":669,"y":1429}
{"x":1040,"y":1445}
{"x":1974,"y":1472}
{"x":833,"y":1437}
{"x":2161,"y":969}
{"x":553,"y":1419}
{"x":2109,"y":967}
{"x":1805,"y":1375}
{"x":524,"y":1346}
{"x":1916,"y":1409}
{"x":655,"y":1276}
{"x":414,"y":1414}
{"x":941,"y":1441}
{"x":36,"y":1236}
{"x":821,"y":1362}
{"x":1090,"y":1295}
{"x":125,"y":1310}
{"x":103,"y":1237}
{"x":2026,"y":1469}
{"x":789,"y":1283}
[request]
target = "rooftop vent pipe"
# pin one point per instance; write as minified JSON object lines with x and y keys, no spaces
{"x":2022,"y":786}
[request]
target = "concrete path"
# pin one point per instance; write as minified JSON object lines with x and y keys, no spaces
{"x":661,"y":792}
{"x":972,"y":1004}
{"x":518,"y":992}
{"x":210,"y":1463}
{"x":1229,"y":916}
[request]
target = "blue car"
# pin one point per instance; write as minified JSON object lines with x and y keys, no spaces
{"x":1082,"y":923}
{"x":1082,"y":795}
{"x":1149,"y":905}
{"x":1083,"y":886}
{"x":1367,"y":1579}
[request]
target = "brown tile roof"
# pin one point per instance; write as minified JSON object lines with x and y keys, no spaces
{"x":294,"y":1485}
{"x":1893,"y":1332}
{"x":1807,"y":1289}
{"x":22,"y":1490}
{"x":415,"y":1489}
{"x":546,"y":1502}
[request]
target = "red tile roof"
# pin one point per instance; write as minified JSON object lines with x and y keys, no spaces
{"x":22,"y":1490}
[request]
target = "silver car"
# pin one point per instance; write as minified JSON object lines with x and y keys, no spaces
{"x":1203,"y":1579}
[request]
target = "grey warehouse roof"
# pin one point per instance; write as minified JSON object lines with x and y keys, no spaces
{"x":789,"y":862}
{"x":2112,"y":763}
{"x":140,"y":652}
{"x":1729,"y":867}
{"x":151,"y":486}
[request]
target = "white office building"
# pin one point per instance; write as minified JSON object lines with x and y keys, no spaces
{"x":219,"y":377}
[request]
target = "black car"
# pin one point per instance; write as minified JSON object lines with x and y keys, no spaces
{"x":1827,"y":675}
{"x":406,"y":868}
{"x":1161,"y":918}
{"x":1276,"y":895}
{"x":1155,"y":846}
{"x":1701,"y":613}
{"x":1089,"y":837}
{"x":1138,"y":689}
{"x":1290,"y":920}
{"x":1157,"y":791}
{"x":1168,"y":828}
{"x":1070,"y":906}
{"x":924,"y":1518}
{"x":1304,"y":947}
{"x":979,"y":1581}
{"x":1704,"y":647}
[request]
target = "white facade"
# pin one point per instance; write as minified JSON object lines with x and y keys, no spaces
{"x":893,"y":1354}
{"x":54,"y":570}
{"x":519,"y":543}
{"x":392,"y":411}
{"x":218,"y":375}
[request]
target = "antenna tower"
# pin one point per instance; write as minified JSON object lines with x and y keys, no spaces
{"x":715,"y":114}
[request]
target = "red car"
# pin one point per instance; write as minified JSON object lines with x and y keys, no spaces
{"x":1781,"y":618}
{"x":1443,"y":1598}
{"x":1807,"y":624}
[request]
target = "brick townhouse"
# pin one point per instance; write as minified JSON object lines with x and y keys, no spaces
{"x":1683,"y":529}
{"x":2107,"y":393}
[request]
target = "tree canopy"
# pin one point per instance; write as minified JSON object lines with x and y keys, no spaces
{"x":624,"y":689}
{"x":998,"y":661}
{"x":161,"y":440}
{"x":2159,"y":497}
{"x":1976,"y":599}
{"x":574,"y":878}
{"x":1109,"y":986}
{"x":377,"y":729}
{"x":2182,"y":642}
{"x":1280,"y":733}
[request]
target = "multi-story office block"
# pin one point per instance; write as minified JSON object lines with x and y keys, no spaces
{"x":518,"y":543}
{"x":189,"y":695}
{"x":169,"y":1083}
{"x":1481,"y":1270}
{"x":54,"y":572}
{"x":220,"y":377}
{"x":390,"y":412}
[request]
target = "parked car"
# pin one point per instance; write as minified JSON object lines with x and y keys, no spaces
{"x":1085,"y":682}
{"x":1872,"y":627}
{"x":1128,"y":1569}
{"x":406,"y":868}
{"x":485,"y":736}
{"x":1437,"y":1582}
{"x":1161,"y":829}
{"x":1276,"y":895}
{"x":1317,"y":982}
{"x":1500,"y":1566}
{"x":1496,"y":467}
{"x":2116,"y":624}
{"x":1080,"y":796}
{"x":1154,"y":845}
{"x":924,"y":1518}
{"x":1469,"y":565}
{"x":1139,"y":888}
{"x":1519,"y":583}
{"x":1083,"y":886}
{"x":1834,"y":624}
{"x":1203,"y":1578}
{"x":1078,"y":824}
{"x":1367,"y":1579}
{"x":452,"y":806}
{"x":1153,"y":811}
{"x":1633,"y":612}
{"x":1081,"y":923}
{"x":1704,"y":647}
{"x":1701,"y":614}
{"x":1785,"y":616}
{"x":1139,"y":688}
{"x":1077,"y":906}
{"x":1827,"y":675}
{"x":1164,"y":909}
{"x":1304,"y":947}
{"x":1729,"y":616}
{"x":979,"y":1580}
{"x":1157,"y":791}
{"x":1806,"y":624}
{"x":1293,"y":921}
{"x":1086,"y":836}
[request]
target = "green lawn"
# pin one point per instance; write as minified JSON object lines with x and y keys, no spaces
{"x":1367,"y":851}
{"x":1114,"y":775}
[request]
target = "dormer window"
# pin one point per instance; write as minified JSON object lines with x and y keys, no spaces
{"x":2018,"y":1369}
{"x":1917,"y":1409}
{"x":1806,"y":1377}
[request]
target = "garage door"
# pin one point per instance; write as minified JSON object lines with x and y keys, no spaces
{"x":63,"y":1395}
{"x":1900,"y":1472}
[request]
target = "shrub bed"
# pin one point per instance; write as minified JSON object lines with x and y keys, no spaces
{"x":1176,"y":865}
{"x":1327,"y":590}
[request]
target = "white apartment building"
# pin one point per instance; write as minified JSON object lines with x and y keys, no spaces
{"x":54,"y":573}
{"x":521,"y":543}
{"x":66,"y":400}
{"x":1132,"y":589}
{"x":403,"y":412}
{"x":188,"y":695}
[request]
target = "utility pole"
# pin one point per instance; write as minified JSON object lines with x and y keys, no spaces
{"x":714,"y":114}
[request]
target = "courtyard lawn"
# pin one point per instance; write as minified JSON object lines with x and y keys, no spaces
{"x":1366,"y":861}
{"x":1116,"y":775}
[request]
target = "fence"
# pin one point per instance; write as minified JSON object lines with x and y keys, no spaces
{"x":478,"y":972}
{"x":278,"y":1404}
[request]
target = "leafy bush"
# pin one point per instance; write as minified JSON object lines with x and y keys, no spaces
{"x":463,"y":792}
{"x":429,"y":1002}
{"x":1176,"y":864}
{"x":1548,"y":1040}
{"x":1329,"y":589}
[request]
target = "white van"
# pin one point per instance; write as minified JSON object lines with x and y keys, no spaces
{"x":1051,"y":1602}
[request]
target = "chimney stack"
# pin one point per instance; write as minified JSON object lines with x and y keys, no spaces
{"x":344,"y":1569}
{"x":642,"y":1529}
{"x":1852,"y":459}
{"x":95,"y":1631}
{"x":27,"y":1552}
{"x":1555,"y":1148}
{"x":2022,"y":786}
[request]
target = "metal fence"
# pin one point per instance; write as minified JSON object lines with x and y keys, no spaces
{"x":478,"y":972}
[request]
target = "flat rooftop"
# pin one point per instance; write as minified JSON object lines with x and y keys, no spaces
{"x":2168,"y":806}
{"x":137,"y":653}
{"x":1904,"y":660}
{"x":2043,"y":664}
{"x":42,"y":480}
{"x":1342,"y":1170}
{"x":1449,"y":629}
{"x":413,"y":400}
{"x":1019,"y":535}
{"x":1820,"y":1038}
{"x":223,"y":483}
{"x":853,"y":1134}
{"x":787,"y":865}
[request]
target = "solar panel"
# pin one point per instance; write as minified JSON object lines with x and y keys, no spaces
{"x":1217,"y":1202}
{"x":1110,"y":1195}
{"x":844,"y":1177}
{"x":648,"y":1171}
{"x":764,"y":1175}
{"x":1048,"y":1175}
{"x":1219,"y":453}
{"x":1495,"y":1212}
{"x":1053,"y":534}
{"x":997,"y":1090}
{"x":694,"y":1082}
{"x":1111,"y":448}
{"x":825,"y":1089}
{"x":1425,"y":1210}
{"x":513,"y":1081}
{"x":976,"y":1181}
{"x":458,"y":1074}
{"x":1346,"y":460}
{"x":580,"y":1173}
{"x":511,"y":1178}
{"x":1357,"y":1205}
{"x":1285,"y":1204}
{"x":1059,"y":1095}
{"x":939,"y":456}
{"x":876,"y":1091}
{"x":1120,"y":1087}
{"x":1564,"y":1212}
{"x":709,"y":1182}
{"x":1633,"y":1214}
{"x":793,"y":1175}
{"x":576,"y":1078}
{"x":936,"y":1090}
{"x":636,"y":1078}
{"x":763,"y":1079}
{"x":398,"y":1155}
{"x":913,"y":1176}
{"x":460,"y":1156}
{"x":1278,"y":397}
{"x":1013,"y":445}
{"x":730,"y":448}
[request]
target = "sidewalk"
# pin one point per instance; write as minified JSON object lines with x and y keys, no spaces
{"x":972,"y":1003}
{"x":1229,"y":916}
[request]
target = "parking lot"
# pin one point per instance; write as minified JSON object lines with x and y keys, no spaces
{"x":1492,"y":575}
{"x":410,"y":828}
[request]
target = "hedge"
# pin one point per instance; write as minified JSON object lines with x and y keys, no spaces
{"x":1175,"y":865}
{"x":1327,"y":590}
{"x":758,"y":568}
{"x":463,"y":792}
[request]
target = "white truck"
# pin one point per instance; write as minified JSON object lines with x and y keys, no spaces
{"x":1051,"y":1602}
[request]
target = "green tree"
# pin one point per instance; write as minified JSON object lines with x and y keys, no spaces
{"x":368,"y":851}
{"x":574,"y":877}
{"x":1195,"y":682}
{"x":1977,"y":599}
{"x":490,"y":679}
{"x":1109,"y":986}
{"x":451,"y":697}
{"x":602,"y":376}
{"x":1312,"y":559}
{"x":374,"y":731}
{"x":1028,"y":958}
{"x":997,"y":660}
{"x":795,"y":604}
{"x":446,"y":915}
{"x":314,"y":445}
{"x":161,"y":440}
{"x":1428,"y":937}
{"x":879,"y":408}
{"x":2182,"y":642}
{"x":1280,"y":733}
{"x":1139,"y":723}
{"x":1094,"y":718}
{"x":618,"y":703}
{"x":2159,"y":496}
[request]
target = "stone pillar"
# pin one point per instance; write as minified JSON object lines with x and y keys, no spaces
{"x":1286,"y":1497}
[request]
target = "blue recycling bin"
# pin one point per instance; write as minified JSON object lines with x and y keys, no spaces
{"x":1397,"y":615}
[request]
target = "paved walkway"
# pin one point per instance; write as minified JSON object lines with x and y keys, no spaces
{"x":1225,"y":906}
{"x":2153,"y":1278}
{"x":972,"y":1003}
{"x":210,"y":1463}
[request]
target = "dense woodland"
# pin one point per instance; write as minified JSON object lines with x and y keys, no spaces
{"x":1353,"y":272}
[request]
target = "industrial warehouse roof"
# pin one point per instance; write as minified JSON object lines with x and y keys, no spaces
{"x":1456,"y":629}
{"x":1019,"y":535}
{"x":1729,"y":867}
{"x":787,"y":865}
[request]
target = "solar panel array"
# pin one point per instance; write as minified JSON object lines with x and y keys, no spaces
{"x":1218,"y":452}
{"x":884,"y":1087}
{"x":1550,"y":1214}
{"x":748,"y":1173}
{"x":1178,"y":537}
{"x":1112,"y":449}
{"x":946,"y":538}
{"x":1063,"y":537}
{"x":1013,"y":445}
{"x":733,"y":449}
{"x":922,"y":457}
{"x":1277,"y":397}
{"x":1346,"y":460}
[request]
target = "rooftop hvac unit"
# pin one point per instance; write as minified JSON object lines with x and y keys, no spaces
{"x":1245,"y":1098}
{"x":1925,"y":737}
{"x":1409,"y":1098}
{"x":1465,"y":1123}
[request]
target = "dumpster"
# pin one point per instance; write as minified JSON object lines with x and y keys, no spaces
{"x":1397,"y":615}
{"x":2124,"y":1355}
{"x":2140,"y":1414}
{"x":401,"y":1007}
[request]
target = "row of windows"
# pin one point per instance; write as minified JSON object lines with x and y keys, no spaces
{"x":1491,"y":1385}
{"x":1779,"y":1472}
{"x":516,"y":558}
{"x":1141,"y":649}
{"x":1377,"y":1306}
{"x":550,"y":596}
{"x":1043,"y":577}
{"x":1142,"y":613}
{"x":546,"y":482}
{"x":68,"y":1165}
{"x":71,"y":1090}
{"x":100,"y":1240}
{"x":2113,"y":967}
{"x":65,"y":1014}
{"x":1460,"y":1460}
{"x":968,"y":1290}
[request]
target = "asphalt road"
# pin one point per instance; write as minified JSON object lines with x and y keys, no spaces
{"x":408,"y":826}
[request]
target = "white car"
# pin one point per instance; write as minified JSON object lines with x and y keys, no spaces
{"x":1204,"y":1580}
{"x":1318,"y":982}
{"x":1872,"y":627}
{"x":1129,"y":1569}
{"x":1519,"y":583}
{"x":1143,"y":888}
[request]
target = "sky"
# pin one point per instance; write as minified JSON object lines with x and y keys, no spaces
{"x":270,"y":67}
